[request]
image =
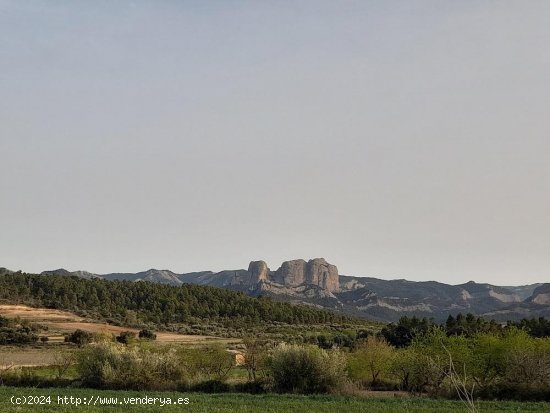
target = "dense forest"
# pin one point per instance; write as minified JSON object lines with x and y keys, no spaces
{"x":143,"y":302}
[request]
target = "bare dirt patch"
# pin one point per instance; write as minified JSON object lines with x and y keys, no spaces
{"x":37,"y":314}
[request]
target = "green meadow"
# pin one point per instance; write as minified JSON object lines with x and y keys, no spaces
{"x":241,"y":403}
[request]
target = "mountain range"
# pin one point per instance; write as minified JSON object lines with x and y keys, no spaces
{"x":317,"y":282}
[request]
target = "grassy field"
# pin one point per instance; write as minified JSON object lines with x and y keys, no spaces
{"x":244,"y":403}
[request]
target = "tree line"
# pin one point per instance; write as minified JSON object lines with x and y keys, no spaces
{"x":402,"y":333}
{"x":143,"y":302}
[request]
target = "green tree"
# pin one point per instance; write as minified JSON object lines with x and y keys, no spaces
{"x":371,"y":361}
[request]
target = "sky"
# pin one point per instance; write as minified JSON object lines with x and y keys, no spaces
{"x":396,"y":139}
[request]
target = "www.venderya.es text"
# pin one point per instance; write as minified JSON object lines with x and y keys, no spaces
{"x":98,"y":400}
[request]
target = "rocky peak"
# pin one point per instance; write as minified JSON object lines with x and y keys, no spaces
{"x":322,"y":274}
{"x":258,"y":271}
{"x":296,"y":273}
{"x":291,"y":273}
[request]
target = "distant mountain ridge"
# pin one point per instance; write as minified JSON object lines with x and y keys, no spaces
{"x":317,"y":282}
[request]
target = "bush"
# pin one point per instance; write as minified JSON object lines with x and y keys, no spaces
{"x":257,"y":386}
{"x":147,"y":334}
{"x":113,"y":366}
{"x":15,"y":335}
{"x":206,"y":363}
{"x":520,"y":392}
{"x":15,"y":331}
{"x":126,"y":337}
{"x":80,"y":337}
{"x":23,"y":376}
{"x":211,"y":386}
{"x":301,"y":369}
{"x":6,"y":322}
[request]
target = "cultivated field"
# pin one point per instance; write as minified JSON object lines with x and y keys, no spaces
{"x":37,"y":314}
{"x":60,"y":322}
{"x":245,"y":403}
{"x":12,"y":356}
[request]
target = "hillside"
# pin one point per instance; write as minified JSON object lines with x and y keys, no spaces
{"x":154,"y":302}
{"x":541,"y":295}
{"x":318,"y":283}
{"x":534,"y":306}
{"x":61,"y":322}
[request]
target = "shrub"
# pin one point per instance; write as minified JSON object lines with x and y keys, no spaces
{"x":254,"y":387}
{"x":16,"y":335}
{"x":306,"y":369}
{"x":15,"y":331}
{"x":113,"y":366}
{"x":211,"y":386}
{"x":147,"y":334}
{"x":206,"y":363}
{"x":23,"y":376}
{"x":80,"y":337}
{"x":126,"y":337}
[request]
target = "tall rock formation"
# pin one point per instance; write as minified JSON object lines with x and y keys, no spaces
{"x":291,"y":273}
{"x":310,"y":280}
{"x":297,"y":273}
{"x":258,"y":271}
{"x":321,"y":273}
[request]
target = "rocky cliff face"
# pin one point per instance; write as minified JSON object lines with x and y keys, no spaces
{"x":258,"y":271}
{"x":315,"y":278}
{"x":291,"y":273}
{"x":324,"y":275}
{"x":316,"y":272}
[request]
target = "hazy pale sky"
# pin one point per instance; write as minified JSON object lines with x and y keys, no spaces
{"x":397,"y":139}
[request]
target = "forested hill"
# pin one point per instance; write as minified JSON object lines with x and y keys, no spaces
{"x":154,"y":303}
